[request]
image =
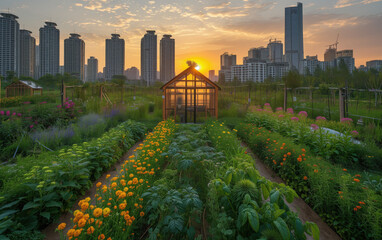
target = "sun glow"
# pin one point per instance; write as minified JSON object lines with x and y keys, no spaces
{"x":204,"y":64}
{"x":197,"y":67}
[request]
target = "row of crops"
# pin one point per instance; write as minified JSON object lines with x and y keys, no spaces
{"x":336,"y":175}
{"x":188,"y":182}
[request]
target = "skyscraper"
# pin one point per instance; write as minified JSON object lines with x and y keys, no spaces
{"x":27,"y":53}
{"x":132,"y":73}
{"x":275,"y":51}
{"x":149,"y":57}
{"x":115,"y":56}
{"x":9,"y":44}
{"x":74,"y":56}
{"x":37,"y":62}
{"x":167,"y":58}
{"x":49,"y":49}
{"x":92,"y":69}
{"x":258,"y":54}
{"x":226,"y":62}
{"x":294,"y":45}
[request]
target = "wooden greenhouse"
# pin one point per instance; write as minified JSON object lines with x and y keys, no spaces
{"x":22,"y":88}
{"x":190,"y":97}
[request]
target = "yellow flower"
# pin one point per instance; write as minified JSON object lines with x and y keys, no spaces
{"x":106,"y":212}
{"x":98,"y":184}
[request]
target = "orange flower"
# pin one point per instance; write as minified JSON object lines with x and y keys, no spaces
{"x":97,"y":212}
{"x":101,"y":237}
{"x":363,"y":203}
{"x":356,"y":180}
{"x":70,"y":233}
{"x":98,"y":184}
{"x":141,"y":214}
{"x":305,"y":178}
{"x":315,"y":170}
{"x":107,"y":176}
{"x":357,"y":175}
{"x":62,"y":226}
{"x":77,"y":233}
{"x":359,"y":207}
{"x":281,"y":163}
{"x":355,"y":209}
{"x":344,"y":169}
{"x":90,"y":230}
{"x":81,"y":222}
{"x":289,"y":153}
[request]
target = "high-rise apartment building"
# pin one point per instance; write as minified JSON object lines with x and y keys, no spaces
{"x":374,"y":64}
{"x":167,"y":58}
{"x":149,"y":57}
{"x":294,"y":45}
{"x":92,"y":69}
{"x":37,"y":62}
{"x":258,"y":54}
{"x":115,"y":56}
{"x":249,"y":72}
{"x":310,"y":64}
{"x":9,"y":44}
{"x":27,"y":54}
{"x":49,"y":49}
{"x":347,"y":57}
{"x":275,"y":51}
{"x":74,"y":56}
{"x":226,"y":62}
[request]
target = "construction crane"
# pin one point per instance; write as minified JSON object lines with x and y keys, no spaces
{"x":334,"y":45}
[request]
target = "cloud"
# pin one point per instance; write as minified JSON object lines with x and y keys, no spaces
{"x":218,"y":6}
{"x":348,"y":3}
{"x":170,"y":8}
{"x":151,"y":2}
{"x":78,"y":4}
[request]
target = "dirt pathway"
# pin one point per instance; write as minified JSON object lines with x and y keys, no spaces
{"x":305,"y":212}
{"x":49,"y":231}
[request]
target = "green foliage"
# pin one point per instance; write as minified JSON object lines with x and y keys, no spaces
{"x":256,"y":205}
{"x":332,"y":191}
{"x":47,"y":185}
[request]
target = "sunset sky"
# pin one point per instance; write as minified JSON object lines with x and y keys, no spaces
{"x":205,"y":29}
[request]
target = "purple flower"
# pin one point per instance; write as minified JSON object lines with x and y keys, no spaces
{"x":19,"y":114}
{"x":14,"y":114}
{"x":303,"y":113}
{"x":2,"y":112}
{"x":294,"y":119}
{"x":290,"y":110}
{"x":354,"y":133}
{"x":31,"y":126}
{"x":314,"y":126}
{"x":58,"y":106}
{"x":8,"y":113}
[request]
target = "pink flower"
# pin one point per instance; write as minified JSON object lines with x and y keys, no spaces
{"x":26,"y":102}
{"x":346,"y":120}
{"x":58,"y":106}
{"x":303,"y":113}
{"x":14,"y":114}
{"x":8,"y":113}
{"x":294,"y":119}
{"x":279,"y":109}
{"x":259,"y":109}
{"x":320,"y":118}
{"x":19,"y":114}
{"x":314,"y":126}
{"x":267,"y":104}
{"x":31,"y":126}
{"x":281,"y":116}
{"x":354,"y":133}
{"x":42,"y":102}
{"x":290,"y":110}
{"x":2,"y":112}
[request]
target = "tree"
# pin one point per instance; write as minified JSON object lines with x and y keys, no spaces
{"x":120,"y":80}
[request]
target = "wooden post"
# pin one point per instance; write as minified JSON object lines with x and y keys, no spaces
{"x":164,"y":104}
{"x":285,"y":98}
{"x":341,"y":103}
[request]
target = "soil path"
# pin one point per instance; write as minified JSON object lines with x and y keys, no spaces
{"x":49,"y":231}
{"x":305,"y":212}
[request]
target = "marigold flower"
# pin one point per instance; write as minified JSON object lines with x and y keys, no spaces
{"x":363,"y":203}
{"x":77,"y":233}
{"x":101,"y":237}
{"x":305,"y":178}
{"x":62,"y":226}
{"x":97,"y":212}
{"x":141,"y":214}
{"x":359,"y":207}
{"x":344,"y":169}
{"x":356,"y":180}
{"x":289,"y":153}
{"x":315,"y":170}
{"x":90,"y":230}
{"x":107,"y":176}
{"x":106,"y":212}
{"x":98,"y":184}
{"x":81,"y":222}
{"x":70,"y":233}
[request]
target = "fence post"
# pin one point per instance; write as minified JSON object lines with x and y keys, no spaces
{"x":341,"y":103}
{"x":285,"y":98}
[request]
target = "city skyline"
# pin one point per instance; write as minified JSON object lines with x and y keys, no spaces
{"x":200,"y":33}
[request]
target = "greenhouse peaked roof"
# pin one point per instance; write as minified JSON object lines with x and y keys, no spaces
{"x":193,"y":71}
